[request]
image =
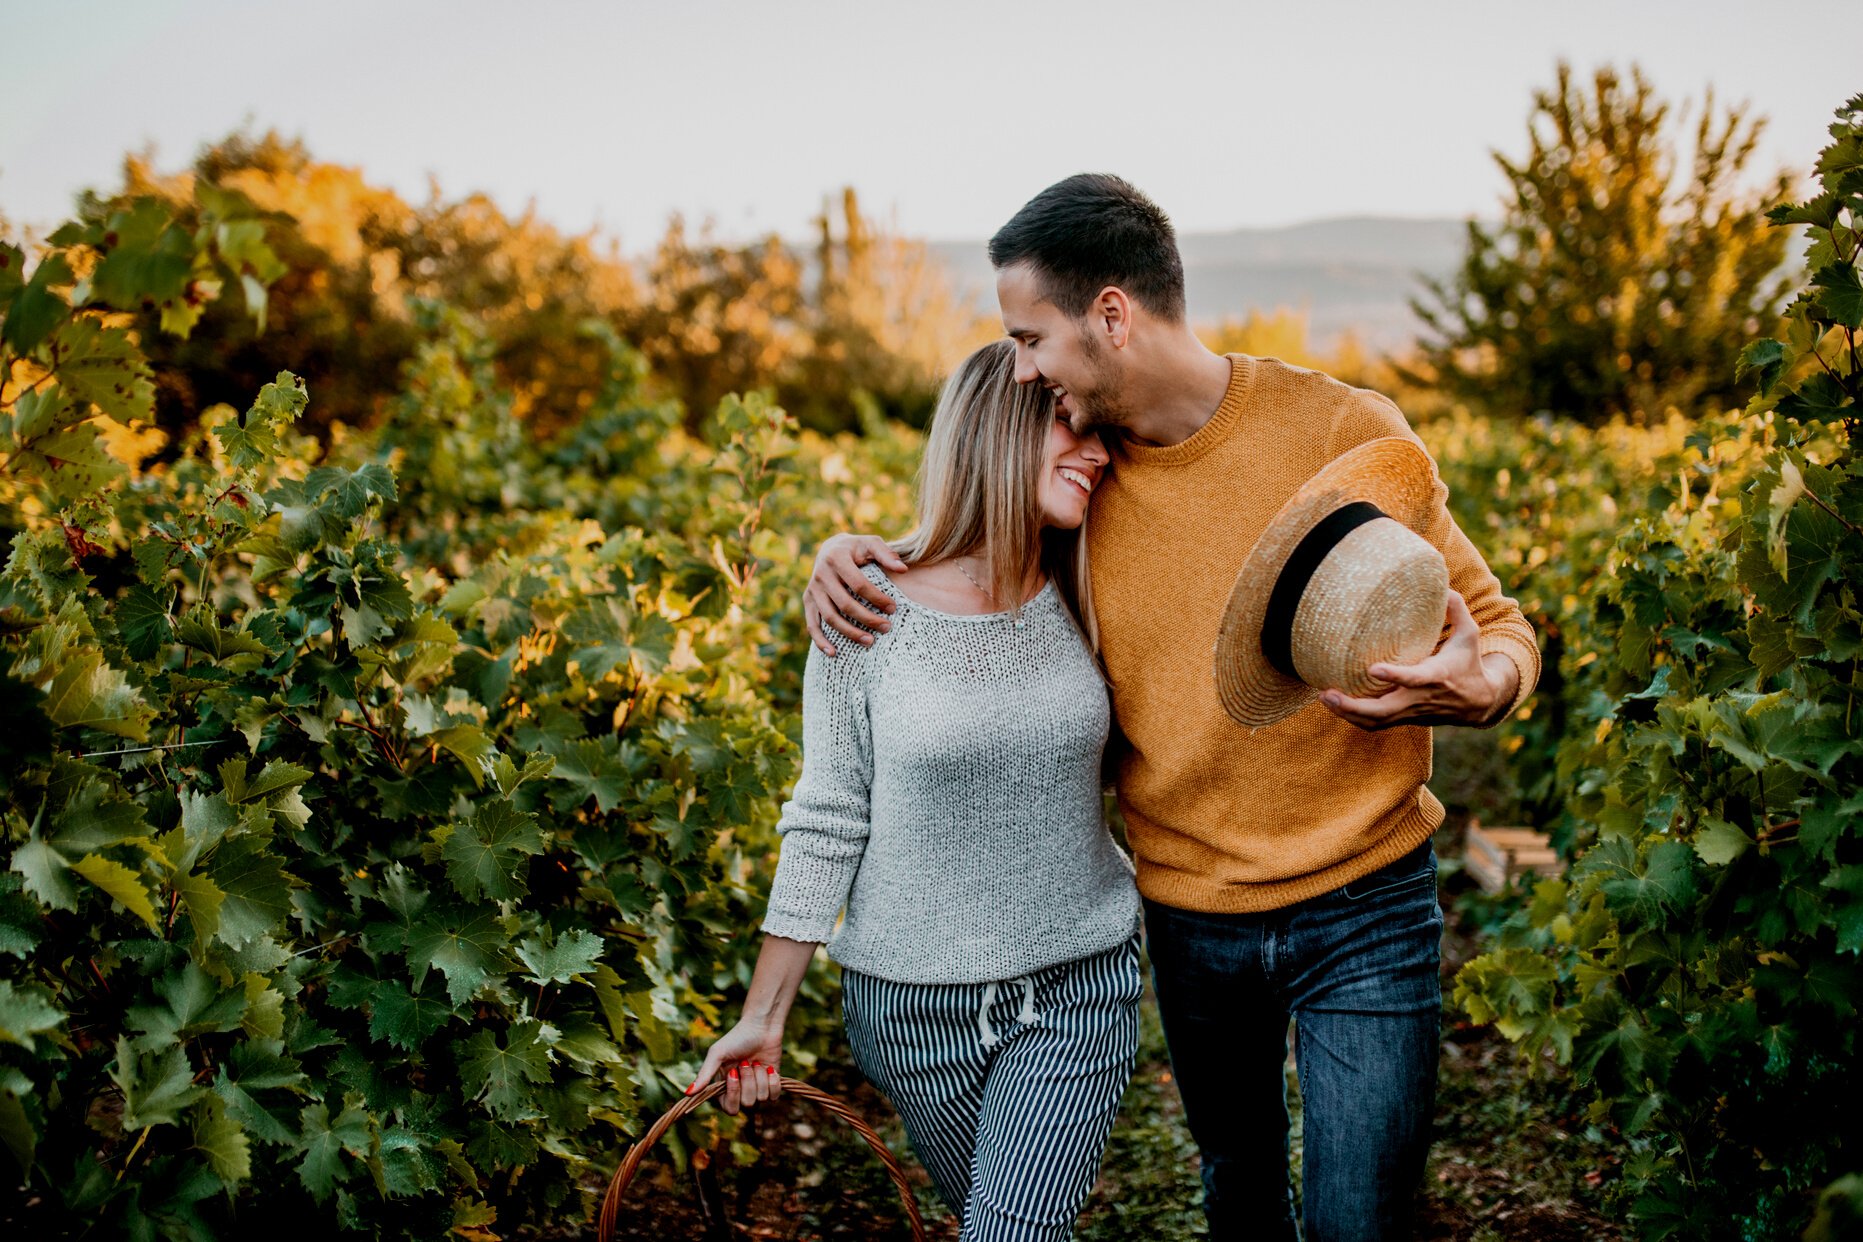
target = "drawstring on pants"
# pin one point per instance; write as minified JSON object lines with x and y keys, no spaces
{"x":1026,"y":1016}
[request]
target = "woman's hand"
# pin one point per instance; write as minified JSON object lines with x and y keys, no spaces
{"x":751,"y":1054}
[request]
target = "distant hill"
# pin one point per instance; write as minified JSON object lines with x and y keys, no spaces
{"x":1354,"y":274}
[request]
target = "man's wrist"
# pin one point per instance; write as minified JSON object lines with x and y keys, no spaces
{"x":1503,"y":679}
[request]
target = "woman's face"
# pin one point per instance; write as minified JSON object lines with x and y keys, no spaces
{"x":1071,"y":468}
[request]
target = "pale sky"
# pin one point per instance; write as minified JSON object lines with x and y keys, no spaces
{"x":946,"y":115}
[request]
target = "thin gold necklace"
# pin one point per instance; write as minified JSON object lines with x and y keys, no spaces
{"x":987,"y":593}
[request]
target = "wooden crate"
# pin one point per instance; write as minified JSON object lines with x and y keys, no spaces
{"x":1494,"y":856}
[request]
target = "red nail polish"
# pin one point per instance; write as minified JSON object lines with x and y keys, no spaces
{"x":730,"y":1073}
{"x":689,"y":1089}
{"x":772,"y":1070}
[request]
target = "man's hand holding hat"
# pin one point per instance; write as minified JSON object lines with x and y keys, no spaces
{"x":1455,"y":685}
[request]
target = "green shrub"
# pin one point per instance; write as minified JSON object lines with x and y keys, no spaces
{"x":1698,"y":969}
{"x":383,"y":828}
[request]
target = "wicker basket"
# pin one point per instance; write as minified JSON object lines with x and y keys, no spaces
{"x":630,"y":1164}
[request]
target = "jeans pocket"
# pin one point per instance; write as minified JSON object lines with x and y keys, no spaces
{"x":1399,"y":876}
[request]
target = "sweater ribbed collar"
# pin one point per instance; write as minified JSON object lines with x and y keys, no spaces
{"x":1222,"y":422}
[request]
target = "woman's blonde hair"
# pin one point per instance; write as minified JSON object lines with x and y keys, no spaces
{"x":980,"y":478}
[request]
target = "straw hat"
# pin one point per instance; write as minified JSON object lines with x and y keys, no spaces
{"x":1339,"y":581}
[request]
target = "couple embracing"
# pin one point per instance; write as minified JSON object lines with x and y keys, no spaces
{"x":1268,"y":605}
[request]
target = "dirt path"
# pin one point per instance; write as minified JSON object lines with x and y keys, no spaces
{"x":1513,"y":1159}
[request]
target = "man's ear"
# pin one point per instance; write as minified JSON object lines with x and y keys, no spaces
{"x":1112,"y":316}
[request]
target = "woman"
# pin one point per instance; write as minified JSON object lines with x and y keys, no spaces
{"x":950,"y":801}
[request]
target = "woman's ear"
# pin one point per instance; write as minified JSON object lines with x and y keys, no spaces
{"x":1112,"y":316}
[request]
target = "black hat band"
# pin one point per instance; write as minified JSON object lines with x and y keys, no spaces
{"x":1277,"y":627}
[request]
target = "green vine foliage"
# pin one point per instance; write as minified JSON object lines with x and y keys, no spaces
{"x":1698,"y":969}
{"x":383,"y":819}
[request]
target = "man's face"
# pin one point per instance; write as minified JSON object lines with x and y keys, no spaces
{"x":1059,"y":352}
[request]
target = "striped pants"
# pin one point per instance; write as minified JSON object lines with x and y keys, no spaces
{"x":1007,"y":1090}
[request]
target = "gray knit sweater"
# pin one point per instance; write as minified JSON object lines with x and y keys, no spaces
{"x":950,"y":800}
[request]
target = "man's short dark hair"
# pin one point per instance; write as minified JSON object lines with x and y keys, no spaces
{"x":1090,"y":231}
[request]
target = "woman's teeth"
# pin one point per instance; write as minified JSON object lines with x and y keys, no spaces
{"x":1078,"y":480}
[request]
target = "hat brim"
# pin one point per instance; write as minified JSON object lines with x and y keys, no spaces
{"x":1392,"y":473}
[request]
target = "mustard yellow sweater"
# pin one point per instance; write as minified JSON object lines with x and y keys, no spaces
{"x":1222,"y":818}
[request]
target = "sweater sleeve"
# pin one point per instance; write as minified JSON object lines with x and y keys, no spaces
{"x":825,"y":822}
{"x":1366,"y":416}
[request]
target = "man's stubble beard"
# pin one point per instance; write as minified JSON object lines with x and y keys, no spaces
{"x":1100,"y":406}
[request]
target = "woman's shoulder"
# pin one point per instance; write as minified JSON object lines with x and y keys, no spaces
{"x":852,"y":657}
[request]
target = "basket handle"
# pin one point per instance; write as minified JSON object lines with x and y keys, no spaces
{"x":630,"y":1163}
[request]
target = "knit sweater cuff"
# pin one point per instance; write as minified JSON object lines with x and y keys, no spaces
{"x":1526,"y":657}
{"x":789,"y":927}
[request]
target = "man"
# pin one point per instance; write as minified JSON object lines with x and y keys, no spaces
{"x":1287,"y":870}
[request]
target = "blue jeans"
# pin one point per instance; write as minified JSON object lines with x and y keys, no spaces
{"x":1356,"y":969}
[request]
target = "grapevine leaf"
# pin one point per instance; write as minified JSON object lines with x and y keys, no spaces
{"x":509,"y":776}
{"x":154,"y":558}
{"x":205,"y":822}
{"x":581,"y":1038}
{"x":87,"y":693}
{"x":1840,"y":294}
{"x":253,"y":1080}
{"x":1506,"y":985}
{"x":44,"y":871}
{"x":596,"y":768}
{"x":156,"y":1086}
{"x":1764,"y":362}
{"x":468,"y":744}
{"x":406,"y":1019}
{"x":467,"y":953}
{"x":21,"y":920}
{"x":142,"y":619}
{"x":24,"y":1013}
{"x":572,"y":954}
{"x":1820,"y":399}
{"x":1625,"y":1045}
{"x":277,"y":777}
{"x":1824,"y":824}
{"x":324,"y":1143}
{"x":1719,"y":842}
{"x":193,"y":1004}
{"x":71,"y":461}
{"x":257,"y":890}
{"x":252,"y":439}
{"x":47,"y":410}
{"x":223,"y":1141}
{"x":1847,"y":918}
{"x":1779,"y":507}
{"x":653,"y":1033}
{"x":36,"y":308}
{"x":1820,"y":212}
{"x":499,"y":1075}
{"x":149,"y":259}
{"x":103,"y":367}
{"x":1648,"y":886}
{"x":607,"y":633}
{"x":382,"y":597}
{"x":265,"y":1008}
{"x":483,"y":855}
{"x":123,"y":885}
{"x":1760,"y":730}
{"x":607,"y":985}
{"x":96,"y":817}
{"x":12,"y":271}
{"x":348,"y":492}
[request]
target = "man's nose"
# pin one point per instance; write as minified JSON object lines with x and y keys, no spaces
{"x":1026,"y":371}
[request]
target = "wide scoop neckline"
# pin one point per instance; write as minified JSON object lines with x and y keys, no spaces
{"x":1046,"y":588}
